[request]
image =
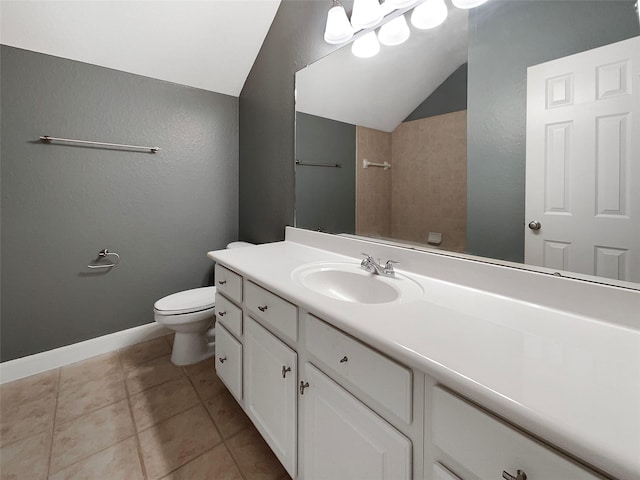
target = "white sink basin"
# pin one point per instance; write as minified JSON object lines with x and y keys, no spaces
{"x":350,"y":283}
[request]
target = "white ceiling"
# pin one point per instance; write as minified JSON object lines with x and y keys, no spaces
{"x":380,"y":92}
{"x":208,"y":44}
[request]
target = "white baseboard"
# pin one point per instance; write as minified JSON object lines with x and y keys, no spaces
{"x":59,"y":357}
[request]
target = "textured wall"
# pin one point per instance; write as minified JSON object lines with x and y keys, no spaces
{"x":62,"y":204}
{"x":325,"y":196}
{"x":504,"y":39}
{"x":267,"y":114}
{"x":373,"y":184}
{"x":429,"y":180}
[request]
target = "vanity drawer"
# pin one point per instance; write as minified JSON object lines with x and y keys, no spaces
{"x":229,"y":361}
{"x":487,"y":447}
{"x":275,"y":311}
{"x":228,"y":315}
{"x":229,"y":283}
{"x":386,"y":381}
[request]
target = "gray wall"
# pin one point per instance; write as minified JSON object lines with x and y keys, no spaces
{"x":450,"y":96}
{"x":325,"y":196}
{"x":504,"y":39}
{"x":62,"y":204}
{"x":267,"y":114}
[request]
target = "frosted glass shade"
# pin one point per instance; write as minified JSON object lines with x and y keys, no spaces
{"x":366,"y":14}
{"x":366,"y":46}
{"x":429,"y":14}
{"x":338,"y":29}
{"x":466,"y":4}
{"x":394,"y":32}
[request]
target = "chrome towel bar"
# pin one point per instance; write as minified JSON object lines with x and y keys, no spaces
{"x":48,"y":139}
{"x":313,"y":164}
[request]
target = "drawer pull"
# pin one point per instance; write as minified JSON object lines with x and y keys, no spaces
{"x":222,"y":314}
{"x":344,"y":359}
{"x":262,"y":309}
{"x":303,"y":385}
{"x":222,"y":359}
{"x":520,"y":475}
{"x":222,"y":282}
{"x":285,"y":370}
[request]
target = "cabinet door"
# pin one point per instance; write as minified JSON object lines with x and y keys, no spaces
{"x":229,"y":361}
{"x":270,"y":375}
{"x":345,"y":440}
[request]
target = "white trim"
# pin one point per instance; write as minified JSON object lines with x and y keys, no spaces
{"x":59,"y":357}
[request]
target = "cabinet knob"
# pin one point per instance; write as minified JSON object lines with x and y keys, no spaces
{"x":222,"y":282}
{"x":221,"y":314}
{"x":222,"y":359}
{"x":303,"y":385}
{"x":520,"y":475}
{"x":285,"y":370}
{"x":262,"y":309}
{"x":344,"y":359}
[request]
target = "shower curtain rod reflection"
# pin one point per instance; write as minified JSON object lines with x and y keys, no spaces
{"x":312,"y":164}
{"x":48,"y":139}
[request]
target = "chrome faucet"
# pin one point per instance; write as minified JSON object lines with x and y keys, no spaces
{"x":371,"y":266}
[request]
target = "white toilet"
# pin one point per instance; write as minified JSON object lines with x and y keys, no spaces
{"x":190,"y":314}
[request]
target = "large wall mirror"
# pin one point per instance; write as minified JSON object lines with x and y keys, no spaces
{"x":511,"y":132}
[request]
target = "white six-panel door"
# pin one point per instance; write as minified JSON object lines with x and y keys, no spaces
{"x":583,"y":162}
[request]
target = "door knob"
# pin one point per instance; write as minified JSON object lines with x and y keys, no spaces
{"x":535,"y":225}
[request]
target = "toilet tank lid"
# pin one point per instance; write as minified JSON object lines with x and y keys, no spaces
{"x":239,"y":244}
{"x":188,"y":301}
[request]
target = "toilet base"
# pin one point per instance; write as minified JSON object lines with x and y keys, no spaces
{"x":191,"y":348}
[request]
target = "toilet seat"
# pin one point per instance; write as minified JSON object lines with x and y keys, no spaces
{"x":188,"y":301}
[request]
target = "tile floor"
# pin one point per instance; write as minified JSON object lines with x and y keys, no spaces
{"x":131,"y":415}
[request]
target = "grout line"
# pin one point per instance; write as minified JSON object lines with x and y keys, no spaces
{"x":143,"y":467}
{"x":53,"y":423}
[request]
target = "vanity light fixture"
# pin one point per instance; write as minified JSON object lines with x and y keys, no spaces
{"x":366,"y":14}
{"x":429,"y":14}
{"x":366,"y":46}
{"x":397,"y":4}
{"x":338,"y":29}
{"x":394,"y":32}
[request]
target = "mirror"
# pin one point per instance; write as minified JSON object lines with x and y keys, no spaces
{"x":507,"y":133}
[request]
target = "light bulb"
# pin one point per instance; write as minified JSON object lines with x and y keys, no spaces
{"x":429,"y":14}
{"x":366,"y":46}
{"x":466,"y":4}
{"x":338,"y":29}
{"x":394,"y":32}
{"x":366,"y":14}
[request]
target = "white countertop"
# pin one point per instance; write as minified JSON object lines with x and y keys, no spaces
{"x":571,"y":380}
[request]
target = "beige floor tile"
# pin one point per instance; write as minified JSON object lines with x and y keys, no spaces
{"x":227,"y":414}
{"x":30,"y":388}
{"x":79,"y":438}
{"x":163,"y":401}
{"x":216,"y":464}
{"x":119,"y":462}
{"x":74,"y":375}
{"x":145,"y":351}
{"x":254,"y":457}
{"x":26,"y":459}
{"x":21,"y":420}
{"x":208,"y":384}
{"x":197,"y":369}
{"x":149,"y":374}
{"x":176,"y":441}
{"x":80,"y":398}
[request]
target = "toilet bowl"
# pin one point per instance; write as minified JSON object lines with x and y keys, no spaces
{"x":190,"y":314}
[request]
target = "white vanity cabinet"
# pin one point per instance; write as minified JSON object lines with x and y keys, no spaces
{"x":270,"y":375}
{"x":475,"y":445}
{"x":344,"y":439}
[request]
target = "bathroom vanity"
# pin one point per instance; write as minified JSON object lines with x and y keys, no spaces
{"x":451,"y":369}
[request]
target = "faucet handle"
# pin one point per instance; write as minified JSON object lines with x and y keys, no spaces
{"x":367,"y":258}
{"x":388,"y":267}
